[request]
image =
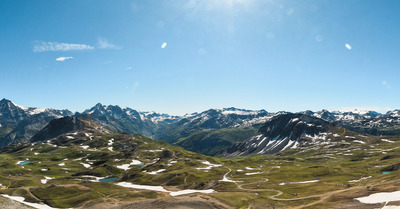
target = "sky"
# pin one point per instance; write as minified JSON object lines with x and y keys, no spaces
{"x":184,"y":56}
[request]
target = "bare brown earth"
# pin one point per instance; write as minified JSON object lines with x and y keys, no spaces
{"x":195,"y":201}
{"x":11,"y":204}
{"x":81,"y":187}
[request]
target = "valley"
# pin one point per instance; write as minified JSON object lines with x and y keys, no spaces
{"x":299,"y":161}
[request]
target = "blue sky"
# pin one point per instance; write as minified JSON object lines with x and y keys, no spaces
{"x":267,"y":54}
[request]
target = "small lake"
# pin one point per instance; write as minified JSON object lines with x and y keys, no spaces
{"x":109,"y":179}
{"x":387,"y":172}
{"x":24,"y":163}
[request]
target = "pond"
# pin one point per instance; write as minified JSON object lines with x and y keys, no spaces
{"x":109,"y":179}
{"x":24,"y":163}
{"x":387,"y":172}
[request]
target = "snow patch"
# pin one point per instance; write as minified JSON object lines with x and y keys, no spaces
{"x":255,"y":173}
{"x":126,"y":166}
{"x":300,"y":182}
{"x":362,"y":178}
{"x":161,"y":189}
{"x":387,"y":140}
{"x":190,"y":191}
{"x":22,"y":200}
{"x":382,"y":197}
{"x":251,"y":169}
{"x":155,"y":172}
{"x":210,"y":166}
{"x":44,"y":181}
{"x":358,"y":141}
{"x":85,"y":165}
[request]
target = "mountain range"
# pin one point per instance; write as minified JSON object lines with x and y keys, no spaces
{"x":19,"y":124}
{"x":224,"y":132}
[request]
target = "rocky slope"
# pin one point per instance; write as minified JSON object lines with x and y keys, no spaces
{"x":19,"y":124}
{"x":207,"y":132}
{"x":281,"y":132}
{"x":369,"y":122}
{"x":212,"y":119}
{"x":68,"y":124}
{"x":128,"y":120}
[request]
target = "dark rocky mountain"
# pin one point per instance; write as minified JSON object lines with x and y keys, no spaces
{"x":10,"y":113}
{"x":19,"y":124}
{"x":281,"y":132}
{"x":68,"y":124}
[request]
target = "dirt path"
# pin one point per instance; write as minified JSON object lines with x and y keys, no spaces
{"x":322,"y":197}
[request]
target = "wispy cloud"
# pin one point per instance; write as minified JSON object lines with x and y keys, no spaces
{"x":42,"y":46}
{"x":62,"y":59}
{"x":386,"y":84}
{"x":103,"y":43}
{"x":348,"y":46}
{"x":163,"y":45}
{"x":129,"y":68}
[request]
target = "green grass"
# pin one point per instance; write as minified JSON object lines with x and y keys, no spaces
{"x":333,"y":168}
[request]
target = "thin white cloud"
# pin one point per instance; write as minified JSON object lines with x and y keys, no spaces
{"x":62,"y":59}
{"x":163,"y":45}
{"x":103,"y":43}
{"x":42,"y":46}
{"x":348,"y":46}
{"x":386,"y":84}
{"x":129,"y":68}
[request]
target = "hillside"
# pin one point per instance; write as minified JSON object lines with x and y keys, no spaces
{"x":284,"y":131}
{"x":99,"y":168}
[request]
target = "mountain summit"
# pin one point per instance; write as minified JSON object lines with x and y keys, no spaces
{"x":281,"y":132}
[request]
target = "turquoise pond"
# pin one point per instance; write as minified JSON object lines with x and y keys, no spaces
{"x":387,"y":172}
{"x":24,"y":163}
{"x":109,"y":179}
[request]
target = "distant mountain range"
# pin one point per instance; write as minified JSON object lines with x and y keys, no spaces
{"x":227,"y":132}
{"x":19,"y":124}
